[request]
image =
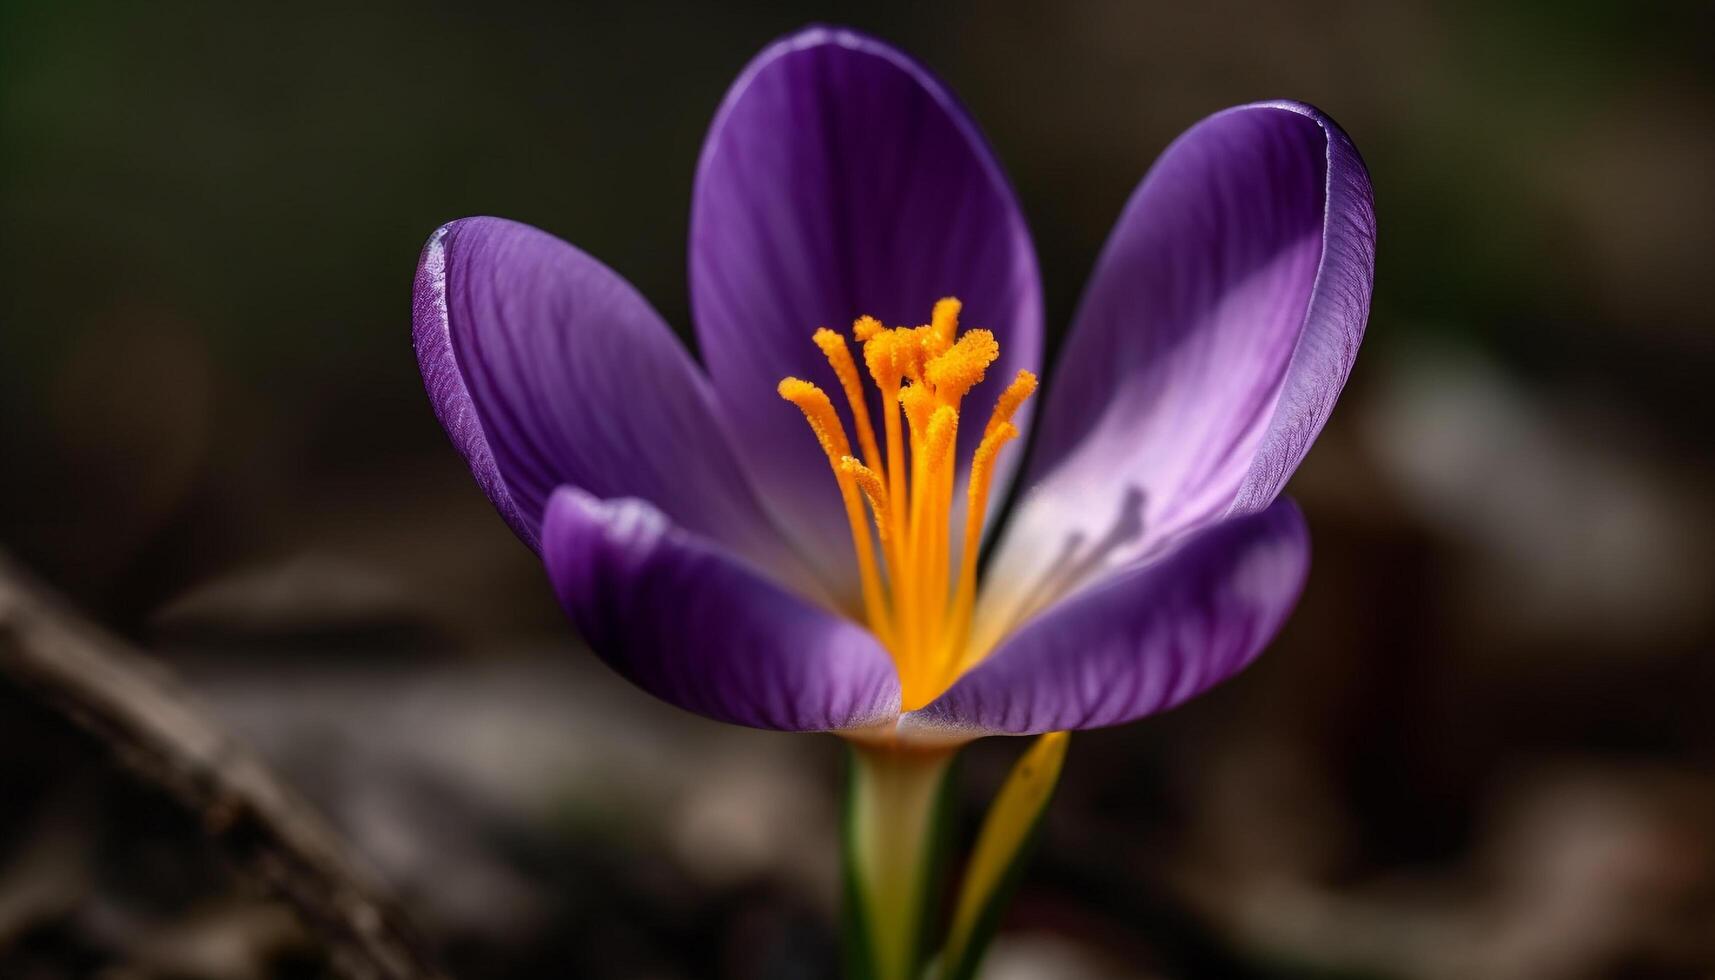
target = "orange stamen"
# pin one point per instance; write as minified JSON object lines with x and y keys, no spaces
{"x":840,"y":359}
{"x":923,"y":373}
{"x":819,"y":412}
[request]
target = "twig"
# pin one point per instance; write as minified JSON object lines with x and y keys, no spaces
{"x":134,"y":708}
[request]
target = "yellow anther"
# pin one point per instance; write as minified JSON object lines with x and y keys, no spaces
{"x":1022,"y":387}
{"x":865,"y":327}
{"x":880,"y":356}
{"x":982,"y":461}
{"x":943,"y":426}
{"x":819,"y":412}
{"x":869,"y":481}
{"x":944,"y":322}
{"x":912,"y":349}
{"x":918,"y":404}
{"x":840,"y":359}
{"x":930,"y":344}
{"x":961,"y":366}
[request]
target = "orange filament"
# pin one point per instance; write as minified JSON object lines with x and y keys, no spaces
{"x":825,"y":423}
{"x":976,"y":509}
{"x":916,"y":601}
{"x":840,"y":359}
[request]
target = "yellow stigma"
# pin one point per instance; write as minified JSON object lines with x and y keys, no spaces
{"x":960,"y":367}
{"x":865,"y":328}
{"x":914,"y":597}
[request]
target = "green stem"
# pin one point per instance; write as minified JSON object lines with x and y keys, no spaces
{"x":893,"y":814}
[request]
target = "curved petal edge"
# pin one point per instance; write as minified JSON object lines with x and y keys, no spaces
{"x":699,"y":628}
{"x":1143,"y":641}
{"x":1215,"y":335}
{"x":448,"y":395}
{"x":1334,"y":326}
{"x":547,"y":368}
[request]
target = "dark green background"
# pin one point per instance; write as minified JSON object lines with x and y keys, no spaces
{"x":214,"y":437}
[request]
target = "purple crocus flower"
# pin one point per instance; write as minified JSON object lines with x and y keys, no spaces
{"x":694,"y":529}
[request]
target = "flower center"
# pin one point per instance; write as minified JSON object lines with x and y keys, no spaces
{"x":914,"y":601}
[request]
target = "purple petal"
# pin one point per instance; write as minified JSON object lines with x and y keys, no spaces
{"x":840,"y":178}
{"x":1144,"y":640}
{"x":698,"y":628}
{"x":1212,"y":341}
{"x":547,"y":368}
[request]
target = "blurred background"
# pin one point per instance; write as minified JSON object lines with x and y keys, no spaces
{"x":1482,"y":748}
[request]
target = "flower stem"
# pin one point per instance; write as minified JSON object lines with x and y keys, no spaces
{"x":895,"y":816}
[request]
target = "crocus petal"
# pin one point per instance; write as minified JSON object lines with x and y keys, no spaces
{"x":1141,"y":641}
{"x":1211,"y":343}
{"x":547,"y":368}
{"x":840,"y":178}
{"x":697,"y":627}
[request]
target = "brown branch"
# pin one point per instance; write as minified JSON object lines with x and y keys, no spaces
{"x":132,"y":706}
